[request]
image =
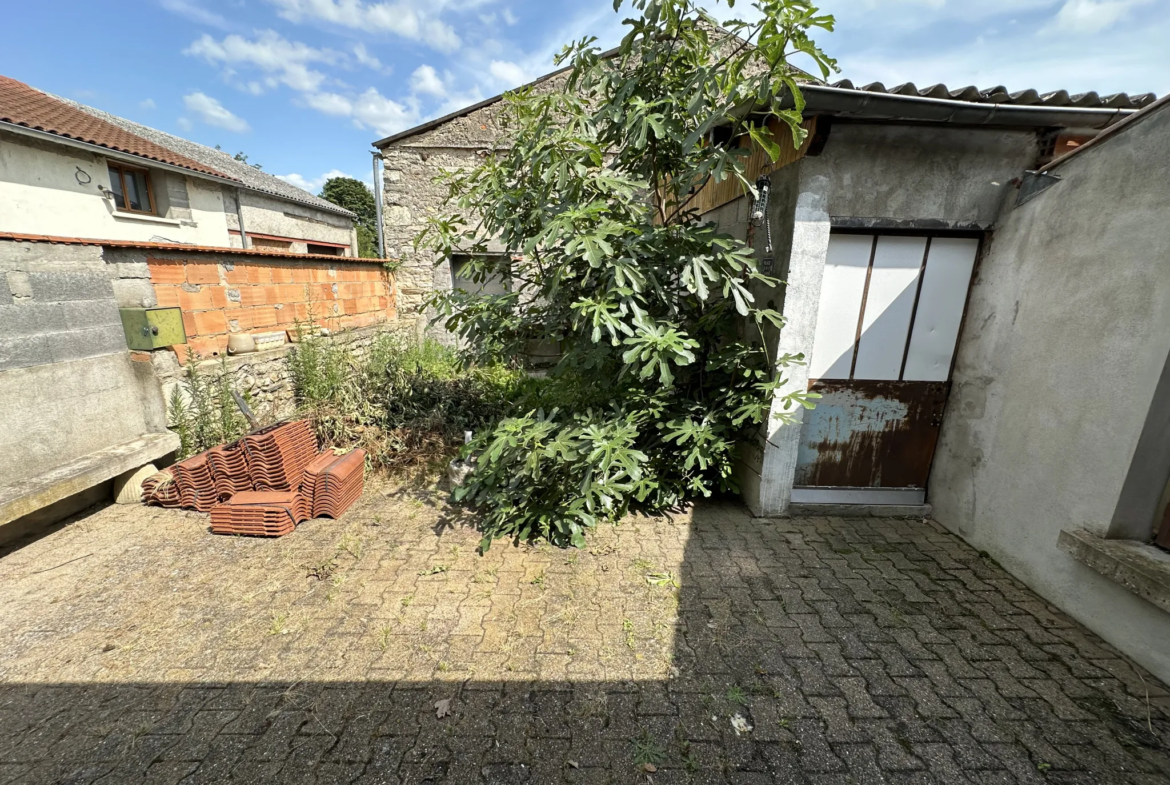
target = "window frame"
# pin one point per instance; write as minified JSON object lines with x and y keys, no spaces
{"x":122,"y":168}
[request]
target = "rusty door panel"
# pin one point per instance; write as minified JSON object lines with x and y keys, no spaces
{"x":870,"y":434}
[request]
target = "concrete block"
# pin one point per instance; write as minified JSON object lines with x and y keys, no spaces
{"x":92,"y":342}
{"x":19,"y":286}
{"x":31,"y":318}
{"x":134,"y":293}
{"x":84,"y":314}
{"x":58,"y":287}
{"x":25,"y":256}
{"x":129,"y":269}
{"x":24,"y":351}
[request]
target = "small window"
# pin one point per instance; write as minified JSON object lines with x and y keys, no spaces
{"x":131,"y":189}
{"x":325,"y":250}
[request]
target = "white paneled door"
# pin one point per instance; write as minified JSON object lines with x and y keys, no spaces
{"x":889,"y":319}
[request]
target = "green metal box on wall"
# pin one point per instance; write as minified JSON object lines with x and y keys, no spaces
{"x":153,"y":328}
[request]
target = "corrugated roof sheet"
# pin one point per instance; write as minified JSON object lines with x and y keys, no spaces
{"x":250,"y":176}
{"x":1001,"y":95}
{"x":28,"y":107}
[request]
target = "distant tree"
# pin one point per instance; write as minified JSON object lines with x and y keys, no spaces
{"x":242,"y":157}
{"x":353,"y":195}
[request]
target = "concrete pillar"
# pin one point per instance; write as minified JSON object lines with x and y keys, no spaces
{"x":802,"y":299}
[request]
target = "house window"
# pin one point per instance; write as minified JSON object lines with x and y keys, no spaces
{"x":131,"y":189}
{"x":325,"y":250}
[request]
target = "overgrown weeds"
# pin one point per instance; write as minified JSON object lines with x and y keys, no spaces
{"x":202,"y":410}
{"x":406,"y":403}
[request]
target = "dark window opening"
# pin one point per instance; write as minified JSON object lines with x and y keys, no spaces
{"x":463,"y":278}
{"x":326,"y":250}
{"x":131,"y":187}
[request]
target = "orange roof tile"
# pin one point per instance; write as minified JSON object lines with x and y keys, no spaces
{"x":29,"y":107}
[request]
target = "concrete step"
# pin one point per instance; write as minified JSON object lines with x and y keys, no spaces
{"x":23,"y":498}
{"x":806,"y":510}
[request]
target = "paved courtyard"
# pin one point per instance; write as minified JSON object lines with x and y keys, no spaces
{"x":705,"y":648}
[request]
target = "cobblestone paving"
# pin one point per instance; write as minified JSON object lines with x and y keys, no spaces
{"x":136,"y":647}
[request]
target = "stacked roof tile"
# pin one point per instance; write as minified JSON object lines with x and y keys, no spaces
{"x":260,"y":513}
{"x":264,"y":484}
{"x":277,"y":456}
{"x":334,"y":482}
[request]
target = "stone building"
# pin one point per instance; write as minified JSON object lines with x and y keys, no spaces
{"x":412,"y":160}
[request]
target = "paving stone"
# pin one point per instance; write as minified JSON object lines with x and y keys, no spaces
{"x":862,"y":651}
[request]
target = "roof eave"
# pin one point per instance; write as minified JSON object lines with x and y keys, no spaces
{"x":109,"y":152}
{"x":886,"y":106}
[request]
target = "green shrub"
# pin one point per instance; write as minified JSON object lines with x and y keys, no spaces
{"x":664,"y":366}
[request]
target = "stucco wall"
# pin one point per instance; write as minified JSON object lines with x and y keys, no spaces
{"x":1067,"y":334}
{"x":919,"y":172}
{"x":279,"y":218}
{"x":52,"y":189}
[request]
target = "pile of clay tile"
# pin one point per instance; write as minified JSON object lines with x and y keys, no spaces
{"x":264,"y":484}
{"x":334,"y":482}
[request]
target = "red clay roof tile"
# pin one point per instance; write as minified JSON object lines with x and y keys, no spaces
{"x":29,"y":107}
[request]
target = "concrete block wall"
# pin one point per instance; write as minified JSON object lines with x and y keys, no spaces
{"x":222,"y":294}
{"x":68,"y":386}
{"x":56,"y":305}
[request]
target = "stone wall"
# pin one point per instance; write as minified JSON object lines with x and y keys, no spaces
{"x":262,"y":377}
{"x":410,"y":195}
{"x":222,"y":294}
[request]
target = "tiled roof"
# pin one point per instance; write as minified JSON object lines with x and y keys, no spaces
{"x":1001,"y":95}
{"x":25,"y":106}
{"x":250,"y":176}
{"x":54,"y":240}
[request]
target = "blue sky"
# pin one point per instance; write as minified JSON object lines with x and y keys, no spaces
{"x":304,"y":86}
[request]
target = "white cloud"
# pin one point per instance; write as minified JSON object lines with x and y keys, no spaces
{"x":371,"y":109}
{"x":212,"y":112}
{"x":416,"y":20}
{"x":425,"y":81}
{"x":1081,"y":17}
{"x":509,"y":74}
{"x":365,"y":58}
{"x":285,"y":61}
{"x":195,"y":12}
{"x":509,"y":17}
{"x":315,"y":184}
{"x":147,"y":104}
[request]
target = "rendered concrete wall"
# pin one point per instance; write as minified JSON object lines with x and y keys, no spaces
{"x":868,"y":175}
{"x":52,"y":189}
{"x":279,"y":218}
{"x":67,"y":384}
{"x":920,"y":173}
{"x":1067,"y":335}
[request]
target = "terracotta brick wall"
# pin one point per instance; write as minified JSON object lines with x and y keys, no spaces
{"x":220,"y":296}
